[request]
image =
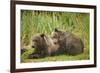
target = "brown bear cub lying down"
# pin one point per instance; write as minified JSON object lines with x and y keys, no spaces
{"x":43,"y":46}
{"x":60,"y":42}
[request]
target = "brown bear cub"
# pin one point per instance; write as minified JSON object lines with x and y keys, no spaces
{"x":43,"y":46}
{"x":68,"y":42}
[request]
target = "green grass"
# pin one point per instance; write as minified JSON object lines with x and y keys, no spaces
{"x":33,"y":22}
{"x":62,"y":57}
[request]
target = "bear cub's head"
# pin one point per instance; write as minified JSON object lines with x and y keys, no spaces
{"x":38,"y":40}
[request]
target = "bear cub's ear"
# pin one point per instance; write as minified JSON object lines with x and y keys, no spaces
{"x":42,"y":35}
{"x":56,"y":30}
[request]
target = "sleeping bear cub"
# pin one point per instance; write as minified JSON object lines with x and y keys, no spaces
{"x":43,"y":46}
{"x":68,"y":42}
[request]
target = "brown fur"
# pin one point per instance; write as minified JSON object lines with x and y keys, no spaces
{"x":68,"y":42}
{"x":43,"y":46}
